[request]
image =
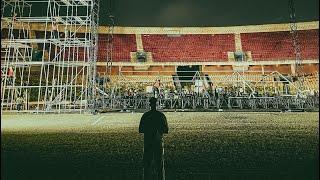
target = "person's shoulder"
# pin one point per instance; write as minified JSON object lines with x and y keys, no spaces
{"x":161,"y":113}
{"x":146,"y":113}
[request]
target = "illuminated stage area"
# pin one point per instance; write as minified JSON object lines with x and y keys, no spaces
{"x":238,"y":83}
{"x":199,"y":146}
{"x":63,"y":60}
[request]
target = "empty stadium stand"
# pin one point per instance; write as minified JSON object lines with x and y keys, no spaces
{"x":279,"y":45}
{"x":189,"y":47}
{"x":123,"y":44}
{"x":206,"y":47}
{"x":309,"y":44}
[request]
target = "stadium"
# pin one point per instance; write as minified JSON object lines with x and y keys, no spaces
{"x":240,"y":89}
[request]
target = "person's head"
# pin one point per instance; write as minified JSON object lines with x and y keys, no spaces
{"x":153,"y":103}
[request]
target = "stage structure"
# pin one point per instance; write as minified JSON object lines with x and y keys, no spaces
{"x":208,"y":90}
{"x":53,"y":69}
{"x":200,"y":103}
{"x":268,"y":82}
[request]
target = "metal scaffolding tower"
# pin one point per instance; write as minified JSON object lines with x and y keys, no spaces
{"x":296,"y":44}
{"x":52,"y":69}
{"x":110,"y":44}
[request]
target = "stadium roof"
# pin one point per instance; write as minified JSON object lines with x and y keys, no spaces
{"x":190,"y":13}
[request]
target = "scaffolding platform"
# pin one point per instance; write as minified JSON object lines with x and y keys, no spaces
{"x":64,"y":72}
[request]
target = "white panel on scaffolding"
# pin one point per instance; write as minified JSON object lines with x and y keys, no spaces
{"x":8,"y":44}
{"x":82,"y":22}
{"x":67,"y":2}
{"x":83,"y":2}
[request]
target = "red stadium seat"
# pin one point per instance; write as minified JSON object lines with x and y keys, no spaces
{"x":189,"y":47}
{"x":279,"y":45}
{"x":123,"y":44}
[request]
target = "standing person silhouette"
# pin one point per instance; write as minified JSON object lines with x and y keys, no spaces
{"x":153,"y":124}
{"x":156,"y":88}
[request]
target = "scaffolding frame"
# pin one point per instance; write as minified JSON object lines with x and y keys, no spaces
{"x":271,"y":83}
{"x":267,"y":81}
{"x":212,"y":103}
{"x":62,"y":79}
{"x":110,"y":44}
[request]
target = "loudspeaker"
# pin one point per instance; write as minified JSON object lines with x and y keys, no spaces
{"x":239,"y":56}
{"x":141,"y":56}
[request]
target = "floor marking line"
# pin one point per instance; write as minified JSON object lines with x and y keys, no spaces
{"x":94,"y":123}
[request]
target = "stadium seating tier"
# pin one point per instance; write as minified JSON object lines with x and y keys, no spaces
{"x":189,"y":47}
{"x":279,"y":45}
{"x":123,"y":44}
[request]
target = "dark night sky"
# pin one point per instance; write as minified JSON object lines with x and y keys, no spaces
{"x":175,"y":13}
{"x":172,"y":13}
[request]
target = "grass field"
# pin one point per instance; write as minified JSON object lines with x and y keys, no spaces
{"x":204,"y":146}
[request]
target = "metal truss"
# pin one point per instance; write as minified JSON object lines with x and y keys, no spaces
{"x":53,"y":71}
{"x":91,"y":89}
{"x":213,"y":103}
{"x":105,"y":76}
{"x":271,"y":82}
{"x":269,"y":91}
{"x":296,"y":44}
{"x":110,"y":43}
